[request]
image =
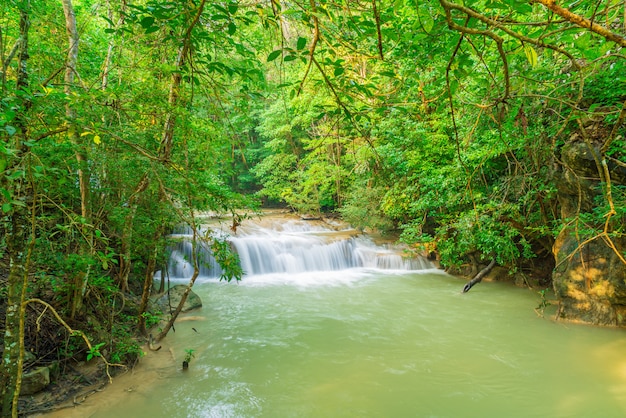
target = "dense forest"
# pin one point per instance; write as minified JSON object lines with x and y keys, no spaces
{"x":476,"y":130}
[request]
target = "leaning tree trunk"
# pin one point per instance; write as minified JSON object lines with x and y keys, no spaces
{"x":590,"y":274}
{"x":183,"y":299}
{"x":16,"y":222}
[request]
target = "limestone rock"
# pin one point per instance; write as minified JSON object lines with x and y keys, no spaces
{"x":589,"y":278}
{"x":35,"y":381}
{"x":175,"y":295}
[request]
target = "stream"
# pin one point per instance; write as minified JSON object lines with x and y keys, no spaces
{"x":326,"y":323}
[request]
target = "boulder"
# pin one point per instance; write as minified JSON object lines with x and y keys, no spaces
{"x":589,"y":278}
{"x":35,"y":381}
{"x":174,"y":296}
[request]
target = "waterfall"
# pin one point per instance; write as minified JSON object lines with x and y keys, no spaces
{"x":292,"y":247}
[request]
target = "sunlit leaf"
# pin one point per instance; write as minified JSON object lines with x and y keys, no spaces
{"x":531,"y":55}
{"x":274,"y":54}
{"x":426,"y":20}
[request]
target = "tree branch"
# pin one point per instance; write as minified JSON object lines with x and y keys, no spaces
{"x":582,"y":22}
{"x":316,"y":38}
{"x":378,"y":33}
{"x":479,"y":276}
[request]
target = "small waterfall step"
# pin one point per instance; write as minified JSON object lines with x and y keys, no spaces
{"x":294,"y":246}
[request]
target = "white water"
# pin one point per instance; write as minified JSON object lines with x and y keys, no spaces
{"x":293,"y":247}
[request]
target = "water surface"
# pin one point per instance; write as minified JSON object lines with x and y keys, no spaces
{"x":373,"y":343}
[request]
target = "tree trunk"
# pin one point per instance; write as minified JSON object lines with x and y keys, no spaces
{"x":589,"y":278}
{"x":165,"y":150}
{"x":13,"y":347}
{"x":81,"y":277}
{"x":127,"y":233}
{"x":15,"y":224}
{"x":183,"y":299}
{"x":148,"y":279}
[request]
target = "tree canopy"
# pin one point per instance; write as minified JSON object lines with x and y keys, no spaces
{"x":454,"y":123}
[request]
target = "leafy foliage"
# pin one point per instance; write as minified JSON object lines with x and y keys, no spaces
{"x":442,"y":121}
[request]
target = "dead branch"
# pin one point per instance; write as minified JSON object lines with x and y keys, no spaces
{"x":479,"y":276}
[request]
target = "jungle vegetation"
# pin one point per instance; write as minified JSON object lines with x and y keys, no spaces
{"x":442,"y":121}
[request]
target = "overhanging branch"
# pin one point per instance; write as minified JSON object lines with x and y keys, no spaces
{"x":583,"y":22}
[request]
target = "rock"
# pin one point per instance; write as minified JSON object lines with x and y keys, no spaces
{"x":589,"y":278}
{"x":29,"y":357}
{"x":175,"y":295}
{"x":35,"y":381}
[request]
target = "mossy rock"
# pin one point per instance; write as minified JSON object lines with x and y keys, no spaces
{"x":170,"y":299}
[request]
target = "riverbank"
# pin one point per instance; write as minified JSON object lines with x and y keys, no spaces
{"x":152,"y":367}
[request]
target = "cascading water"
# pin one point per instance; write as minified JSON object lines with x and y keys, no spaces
{"x":292,"y":247}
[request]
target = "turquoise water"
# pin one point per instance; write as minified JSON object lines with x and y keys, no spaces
{"x":372,"y":343}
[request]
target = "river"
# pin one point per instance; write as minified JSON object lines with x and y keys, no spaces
{"x":374,"y":339}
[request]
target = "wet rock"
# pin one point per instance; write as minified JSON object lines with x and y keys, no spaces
{"x":175,"y":295}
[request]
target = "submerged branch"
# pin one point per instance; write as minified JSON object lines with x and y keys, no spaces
{"x":479,"y":276}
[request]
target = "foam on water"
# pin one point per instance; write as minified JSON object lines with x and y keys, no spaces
{"x":281,"y":252}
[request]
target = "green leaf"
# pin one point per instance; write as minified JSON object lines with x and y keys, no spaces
{"x":16,"y":175}
{"x":232,"y":28}
{"x":339,"y":71}
{"x":531,"y":55}
{"x":521,"y":6}
{"x":594,"y":106}
{"x":301,"y":43}
{"x":147,"y":22}
{"x":290,"y":58}
{"x":6,"y":207}
{"x":152,"y":29}
{"x":454,"y":85}
{"x":425,"y":18}
{"x":10,"y":130}
{"x":273,"y":55}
